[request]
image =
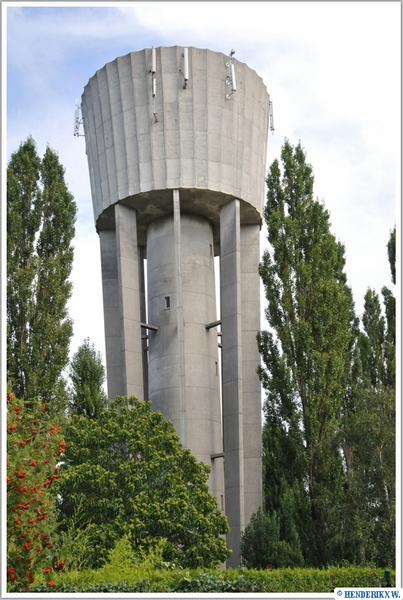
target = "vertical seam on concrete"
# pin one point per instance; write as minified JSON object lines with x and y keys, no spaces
{"x":119,"y":68}
{"x":136,"y":137}
{"x":108,"y":170}
{"x":95,"y":82}
{"x":179,"y":312}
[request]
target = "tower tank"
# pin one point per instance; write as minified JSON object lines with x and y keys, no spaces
{"x":176,"y":143}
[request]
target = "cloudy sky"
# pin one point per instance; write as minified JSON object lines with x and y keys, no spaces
{"x":332,"y":70}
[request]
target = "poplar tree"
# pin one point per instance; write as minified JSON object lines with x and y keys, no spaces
{"x":87,"y":375}
{"x":41,"y":213}
{"x":306,"y":356}
{"x":369,"y":435}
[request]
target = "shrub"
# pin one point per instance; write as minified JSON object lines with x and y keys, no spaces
{"x":277,"y":581}
{"x":261,"y":545}
{"x":34,"y":448}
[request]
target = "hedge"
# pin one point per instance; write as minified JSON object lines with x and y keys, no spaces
{"x":233,"y":580}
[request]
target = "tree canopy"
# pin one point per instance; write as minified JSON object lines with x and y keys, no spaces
{"x":126,"y":473}
{"x":87,"y":374}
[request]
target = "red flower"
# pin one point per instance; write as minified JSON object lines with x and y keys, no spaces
{"x":12,"y":427}
{"x":49,"y":546}
{"x":32,"y":520}
{"x":9,"y":396}
{"x":8,"y":479}
{"x":16,"y":409}
{"x":47,"y":482}
{"x":20,"y":474}
{"x":22,"y":443}
{"x":41,"y":517}
{"x":51,"y":583}
{"x":39,"y":549}
{"x":23,"y":488}
{"x":33,"y":463}
{"x":46,"y":461}
{"x":47,"y":570}
{"x":43,"y":406}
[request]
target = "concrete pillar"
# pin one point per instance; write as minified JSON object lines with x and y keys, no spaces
{"x":143,"y":317}
{"x":232,"y":394}
{"x":201,"y":378}
{"x":112,"y":322}
{"x":251,"y":388}
{"x":129,"y":300}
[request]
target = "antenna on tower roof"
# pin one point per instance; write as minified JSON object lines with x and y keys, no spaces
{"x":185,"y":71}
{"x":153,"y":80}
{"x":77,"y":120}
{"x":231,"y":78}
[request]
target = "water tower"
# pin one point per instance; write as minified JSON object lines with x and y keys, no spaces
{"x":176,"y":142}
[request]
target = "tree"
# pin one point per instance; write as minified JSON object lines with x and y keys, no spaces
{"x":390,"y":313}
{"x":40,"y":227}
{"x":126,"y":473}
{"x":87,"y":375}
{"x":34,"y":447}
{"x":369,"y":435}
{"x":368,"y":521}
{"x":261,"y":546}
{"x":306,"y":354}
{"x":392,"y":254}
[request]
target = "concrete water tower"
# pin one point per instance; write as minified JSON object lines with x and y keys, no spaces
{"x":176,"y":142}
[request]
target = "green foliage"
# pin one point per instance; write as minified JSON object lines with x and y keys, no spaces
{"x":367,"y":513}
{"x":129,"y":474}
{"x":392,"y":254}
{"x":40,"y":227}
{"x":306,"y":356}
{"x":34,"y":447}
{"x":369,"y":502}
{"x":261,"y":546}
{"x":87,"y":375}
{"x":233,"y":580}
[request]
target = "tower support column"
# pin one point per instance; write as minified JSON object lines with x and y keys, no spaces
{"x":232,"y":395}
{"x":252,"y":399}
{"x":110,"y":292}
{"x":129,"y":301}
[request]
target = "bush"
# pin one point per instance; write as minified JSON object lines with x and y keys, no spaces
{"x":261,"y":546}
{"x":215,"y":581}
{"x":34,"y":448}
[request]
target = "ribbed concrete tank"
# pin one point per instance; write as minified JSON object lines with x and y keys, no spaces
{"x":176,"y":142}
